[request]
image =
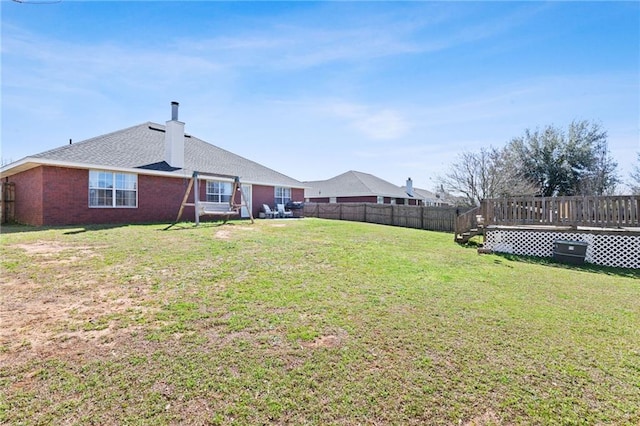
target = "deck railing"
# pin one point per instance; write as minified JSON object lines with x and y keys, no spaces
{"x":467,"y":221}
{"x":611,"y":212}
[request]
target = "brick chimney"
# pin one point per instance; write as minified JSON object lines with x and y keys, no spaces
{"x":409,"y":187}
{"x":174,"y":139}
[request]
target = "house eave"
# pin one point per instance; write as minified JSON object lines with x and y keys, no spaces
{"x":33,"y":162}
{"x":278,"y":184}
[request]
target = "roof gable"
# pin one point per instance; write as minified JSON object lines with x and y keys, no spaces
{"x":142,"y":147}
{"x":353,"y":184}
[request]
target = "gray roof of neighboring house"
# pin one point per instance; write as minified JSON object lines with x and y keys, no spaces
{"x":422,"y":193}
{"x":428,"y":196}
{"x":425,"y":194}
{"x":353,"y":184}
{"x":143,"y":147}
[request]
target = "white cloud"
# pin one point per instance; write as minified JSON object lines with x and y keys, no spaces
{"x":290,"y":45}
{"x":62,"y":66}
{"x":385,"y":124}
{"x":372,"y":122}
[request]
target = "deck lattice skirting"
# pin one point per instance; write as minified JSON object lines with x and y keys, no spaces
{"x":616,"y":249}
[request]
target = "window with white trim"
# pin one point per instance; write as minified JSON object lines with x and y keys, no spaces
{"x":110,"y":189}
{"x":282,"y":195}
{"x":218,"y":191}
{"x":380,"y":199}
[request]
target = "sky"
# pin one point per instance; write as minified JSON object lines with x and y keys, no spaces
{"x":315,"y":89}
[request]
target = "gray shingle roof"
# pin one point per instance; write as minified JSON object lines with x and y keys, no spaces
{"x":423,"y":193}
{"x":427,"y":196}
{"x":353,"y":184}
{"x":142,"y":147}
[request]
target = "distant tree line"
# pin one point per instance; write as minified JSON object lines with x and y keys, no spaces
{"x":543,"y":162}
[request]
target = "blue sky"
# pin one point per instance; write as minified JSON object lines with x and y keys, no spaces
{"x":395,"y":89}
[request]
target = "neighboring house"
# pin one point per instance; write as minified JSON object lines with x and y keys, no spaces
{"x":356,"y":187}
{"x":137,"y":175}
{"x":425,"y":197}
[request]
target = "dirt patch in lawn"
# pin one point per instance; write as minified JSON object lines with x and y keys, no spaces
{"x":333,"y":340}
{"x":487,"y":418}
{"x":223,"y":234}
{"x":73,"y":313}
{"x":227,"y":233}
{"x":330,"y":341}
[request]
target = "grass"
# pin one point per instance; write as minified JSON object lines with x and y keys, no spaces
{"x":307,"y":322}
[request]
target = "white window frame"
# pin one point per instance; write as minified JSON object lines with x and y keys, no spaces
{"x":112,"y":184}
{"x":219,"y":191}
{"x":380,"y":199}
{"x":281,"y":195}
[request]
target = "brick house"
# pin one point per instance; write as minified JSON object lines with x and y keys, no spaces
{"x":357,"y":187}
{"x":137,"y":175}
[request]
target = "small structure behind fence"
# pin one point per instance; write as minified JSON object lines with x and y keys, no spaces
{"x":418,"y":217}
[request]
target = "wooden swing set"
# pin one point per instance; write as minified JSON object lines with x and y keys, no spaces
{"x":207,"y":208}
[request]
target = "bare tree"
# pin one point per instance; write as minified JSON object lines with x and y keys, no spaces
{"x":635,"y":177}
{"x":489,"y":173}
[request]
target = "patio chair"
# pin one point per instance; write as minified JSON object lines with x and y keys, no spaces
{"x":268,"y":212}
{"x":284,"y":213}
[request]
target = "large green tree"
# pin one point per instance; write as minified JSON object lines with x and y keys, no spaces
{"x":572,"y":162}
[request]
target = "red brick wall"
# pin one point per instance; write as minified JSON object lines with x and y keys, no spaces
{"x":66,"y":200}
{"x":362,"y":199}
{"x":297,"y":194}
{"x":359,"y":199}
{"x":319,"y":199}
{"x":28,"y":204}
{"x":50,"y":195}
{"x":65,"y":195}
{"x":159,"y":199}
{"x":266,"y":195}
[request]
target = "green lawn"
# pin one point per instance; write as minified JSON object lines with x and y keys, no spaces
{"x":307,"y":322}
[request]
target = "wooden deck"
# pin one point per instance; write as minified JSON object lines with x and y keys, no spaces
{"x":599,"y":213}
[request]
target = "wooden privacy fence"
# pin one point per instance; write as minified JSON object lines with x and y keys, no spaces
{"x":419,"y":217}
{"x":612,"y":212}
{"x":7,"y":201}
